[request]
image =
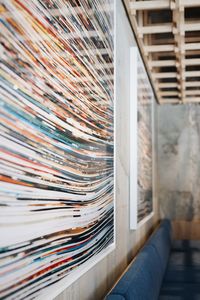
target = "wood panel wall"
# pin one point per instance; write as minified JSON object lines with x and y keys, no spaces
{"x":186,"y":230}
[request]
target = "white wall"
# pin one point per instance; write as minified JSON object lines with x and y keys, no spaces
{"x":96,"y":283}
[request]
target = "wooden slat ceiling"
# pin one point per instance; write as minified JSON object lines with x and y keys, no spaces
{"x":168,"y":34}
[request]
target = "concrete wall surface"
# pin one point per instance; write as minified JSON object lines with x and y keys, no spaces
{"x":179,"y":161}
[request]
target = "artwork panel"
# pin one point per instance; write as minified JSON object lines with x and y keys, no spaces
{"x":57,"y":140}
{"x":145,"y":136}
{"x":141,"y":142}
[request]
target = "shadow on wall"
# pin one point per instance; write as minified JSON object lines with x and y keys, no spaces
{"x":177,"y":205}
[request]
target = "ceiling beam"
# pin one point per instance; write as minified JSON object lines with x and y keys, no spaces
{"x":165,"y":75}
{"x":159,"y":48}
{"x":169,"y":93}
{"x":192,"y":74}
{"x":192,"y":84}
{"x":163,"y":85}
{"x":193,"y":93}
{"x":170,"y":100}
{"x":149,"y":5}
{"x":192,"y":26}
{"x":155,"y":29}
{"x":190,"y":3}
{"x":162,"y":63}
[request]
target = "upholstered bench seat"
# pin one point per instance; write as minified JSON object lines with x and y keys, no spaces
{"x":163,"y":269}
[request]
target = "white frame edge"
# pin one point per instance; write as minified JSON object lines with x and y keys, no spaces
{"x":133,"y":186}
{"x":55,"y":289}
{"x":147,"y":218}
{"x":133,"y":133}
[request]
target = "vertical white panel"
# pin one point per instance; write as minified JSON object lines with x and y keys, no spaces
{"x":133,"y":137}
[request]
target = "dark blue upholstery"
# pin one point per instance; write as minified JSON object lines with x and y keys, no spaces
{"x":161,"y":240}
{"x":162,"y":270}
{"x":143,"y":278}
{"x":115,"y":297}
{"x":167,"y":225}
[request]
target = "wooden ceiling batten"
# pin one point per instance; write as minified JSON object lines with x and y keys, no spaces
{"x":167,"y":32}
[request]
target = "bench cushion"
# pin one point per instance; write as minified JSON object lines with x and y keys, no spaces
{"x":179,"y":262}
{"x":115,"y":297}
{"x":140,"y":281}
{"x":166,"y":224}
{"x":143,"y":279}
{"x":161,"y":240}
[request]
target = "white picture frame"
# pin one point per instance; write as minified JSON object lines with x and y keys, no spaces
{"x":55,"y":289}
{"x":135,"y":63}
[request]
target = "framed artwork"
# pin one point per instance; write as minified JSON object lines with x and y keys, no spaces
{"x":56,"y":143}
{"x":141,"y":142}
